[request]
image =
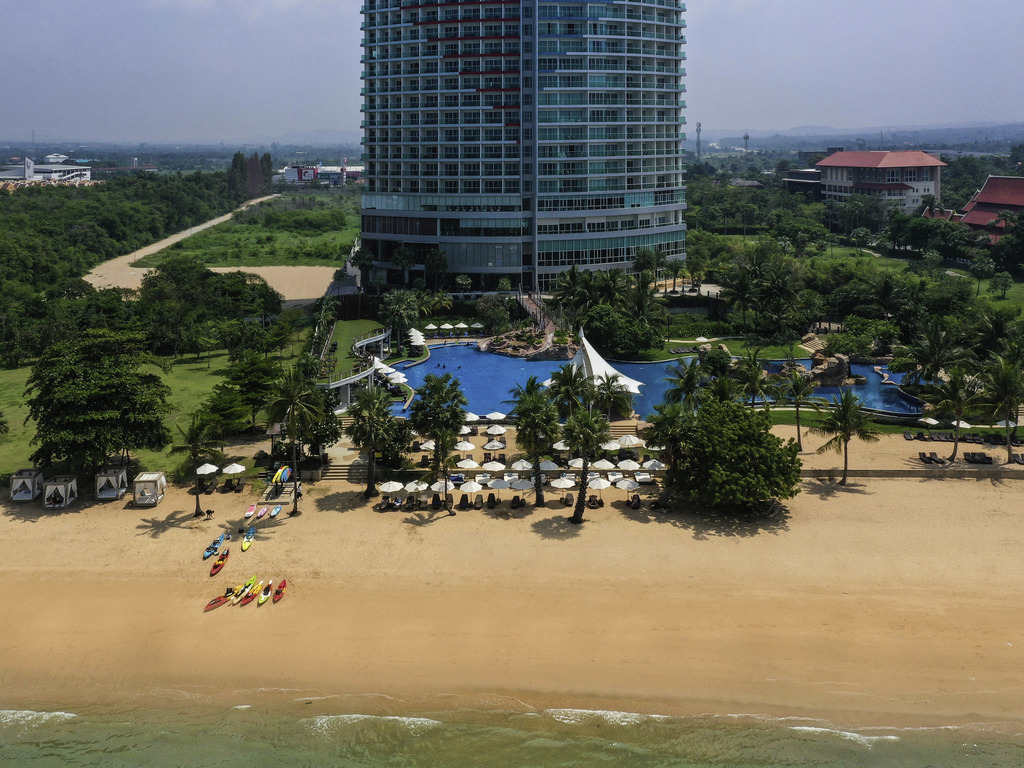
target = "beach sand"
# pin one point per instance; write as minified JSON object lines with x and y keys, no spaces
{"x":884,"y":602}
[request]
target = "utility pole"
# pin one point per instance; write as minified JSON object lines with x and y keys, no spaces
{"x":746,"y":142}
{"x":698,"y":142}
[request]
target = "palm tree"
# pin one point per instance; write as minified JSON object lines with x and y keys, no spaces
{"x":586,"y":432}
{"x":723,"y":389}
{"x":403,"y":258}
{"x":844,"y":420}
{"x":570,"y":389}
{"x":399,"y":310}
{"x":609,"y":287}
{"x":935,"y":349}
{"x":668,"y":426}
{"x":371,"y":427}
{"x":536,"y":418}
{"x":436,"y":264}
{"x":610,"y":394}
{"x":439,"y":408}
{"x":362,"y":259}
{"x":198,"y":441}
{"x":675,"y":267}
{"x":751,"y":375}
{"x":1003,"y":393}
{"x":740,"y":290}
{"x":686,"y":380}
{"x":573,"y":294}
{"x":444,"y":458}
{"x":296,"y":403}
{"x":799,"y":390}
{"x":956,"y":395}
{"x":644,"y":260}
{"x":642,"y":303}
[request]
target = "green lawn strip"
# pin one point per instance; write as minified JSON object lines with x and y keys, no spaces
{"x":14,"y":446}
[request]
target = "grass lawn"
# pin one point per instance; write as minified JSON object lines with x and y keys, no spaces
{"x":292,"y":230}
{"x":346,"y":331}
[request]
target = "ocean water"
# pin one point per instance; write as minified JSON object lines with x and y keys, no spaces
{"x":450,"y":733}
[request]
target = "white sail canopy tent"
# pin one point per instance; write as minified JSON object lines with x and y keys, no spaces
{"x":27,"y":484}
{"x":60,"y":491}
{"x":594,"y":366}
{"x":111,"y":483}
{"x":149,"y":489}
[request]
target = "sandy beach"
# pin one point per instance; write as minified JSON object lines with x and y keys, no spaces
{"x":887,"y":601}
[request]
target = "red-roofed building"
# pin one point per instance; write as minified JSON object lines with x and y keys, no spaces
{"x":1000,"y":193}
{"x":901,"y":179}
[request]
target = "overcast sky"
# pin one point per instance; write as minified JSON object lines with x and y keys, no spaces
{"x":236,"y":70}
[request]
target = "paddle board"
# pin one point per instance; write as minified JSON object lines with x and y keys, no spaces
{"x":266,"y":593}
{"x":214,"y":546}
{"x":220,"y":562}
{"x":279,"y":592}
{"x":253,"y":592}
{"x":275,"y":511}
{"x":262,"y":512}
{"x":250,"y":511}
{"x":247,"y":541}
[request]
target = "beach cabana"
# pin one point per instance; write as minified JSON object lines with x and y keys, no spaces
{"x":112,"y":484}
{"x":60,"y":492}
{"x":27,"y":484}
{"x":148,"y":489}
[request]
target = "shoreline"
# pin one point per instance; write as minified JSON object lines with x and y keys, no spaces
{"x":887,"y":603}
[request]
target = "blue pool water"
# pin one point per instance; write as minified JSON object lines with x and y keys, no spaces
{"x":487,"y":378}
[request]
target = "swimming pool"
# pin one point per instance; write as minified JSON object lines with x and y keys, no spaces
{"x":487,"y":378}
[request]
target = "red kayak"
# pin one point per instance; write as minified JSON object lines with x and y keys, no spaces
{"x":220,"y":562}
{"x":220,"y":600}
{"x":279,"y":592}
{"x":253,"y":593}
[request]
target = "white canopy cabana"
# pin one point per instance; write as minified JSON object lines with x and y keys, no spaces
{"x":111,"y":483}
{"x":27,"y":484}
{"x":595,"y":366}
{"x":149,"y":489}
{"x":59,"y":492}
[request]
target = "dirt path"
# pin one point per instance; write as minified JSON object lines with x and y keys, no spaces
{"x":294,"y":283}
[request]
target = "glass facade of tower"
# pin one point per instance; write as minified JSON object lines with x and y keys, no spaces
{"x":522,"y":137}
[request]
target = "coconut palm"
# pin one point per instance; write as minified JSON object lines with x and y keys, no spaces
{"x":440,"y":407}
{"x":199,"y":442}
{"x":934,"y":349}
{"x":955,"y":396}
{"x":610,"y":394}
{"x":1003,"y":393}
{"x":586,"y":432}
{"x":686,"y":379}
{"x":609,"y":287}
{"x":675,"y":268}
{"x":571,"y":390}
{"x":667,"y":427}
{"x":399,"y":310}
{"x":723,"y":389}
{"x":403,"y":258}
{"x":752,"y":376}
{"x":537,"y":428}
{"x":642,"y":303}
{"x":296,"y":403}
{"x":844,"y":420}
{"x":740,"y":290}
{"x":371,"y":428}
{"x":799,"y":390}
{"x":572,"y":294}
{"x":436,"y":264}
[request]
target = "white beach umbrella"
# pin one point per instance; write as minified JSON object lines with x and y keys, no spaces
{"x":599,"y":484}
{"x":522,"y":466}
{"x":461,"y":325}
{"x":562,"y":483}
{"x":493,"y":466}
{"x":602,"y":464}
{"x":522,"y":484}
{"x":464,"y":430}
{"x":494,"y":445}
{"x":963,"y":424}
{"x":560,"y":446}
{"x":471,"y":486}
{"x":442,"y":486}
{"x":462,"y":445}
{"x":416,"y":486}
{"x":472,"y":417}
{"x":701,"y":339}
{"x":929,"y":421}
{"x":655,"y":448}
{"x":427,"y":446}
{"x":629,"y":441}
{"x":1004,"y":424}
{"x":495,"y":416}
{"x":431,"y":327}
{"x":499,"y":484}
{"x":380,"y":366}
{"x":397,"y":378}
{"x":446,"y":326}
{"x":233,"y":469}
{"x":548,"y":466}
{"x":653,"y":464}
{"x":611,"y":445}
{"x":477,"y":325}
{"x":627,"y":485}
{"x":206,"y":469}
{"x":496,"y":429}
{"x":467,"y":464}
{"x":629,"y":465}
{"x":391,"y":486}
{"x":576,"y":463}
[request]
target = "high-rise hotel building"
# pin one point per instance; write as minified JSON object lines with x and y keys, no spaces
{"x":523,"y":136}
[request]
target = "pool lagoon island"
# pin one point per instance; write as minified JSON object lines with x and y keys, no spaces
{"x":864,"y":625}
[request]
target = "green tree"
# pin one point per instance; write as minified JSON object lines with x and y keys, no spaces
{"x":610,"y":394}
{"x":537,"y":427}
{"x":253,"y":375}
{"x":436,"y":264}
{"x":955,"y":396}
{"x":198,"y":441}
{"x":371,"y":427}
{"x":362,"y":259}
{"x":675,"y":267}
{"x":799,"y":390}
{"x":982,"y":267}
{"x":936,"y":348}
{"x":668,"y":427}
{"x":570,"y":389}
{"x":226,"y":410}
{"x":843,"y":420}
{"x":297,"y":404}
{"x":439,"y":408}
{"x":96,"y":396}
{"x":586,"y":432}
{"x":463,"y":283}
{"x":494,"y":312}
{"x":1000,"y":283}
{"x":1002,"y":381}
{"x":739,"y":289}
{"x":732,"y":458}
{"x":686,"y":379}
{"x":399,"y":310}
{"x":404,"y":259}
{"x":4,"y":428}
{"x":751,"y":375}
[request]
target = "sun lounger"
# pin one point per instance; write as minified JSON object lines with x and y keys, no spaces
{"x":478,"y":502}
{"x":635,"y":502}
{"x":935,"y":458}
{"x":517,"y":502}
{"x":924,"y":457}
{"x":384,"y":503}
{"x":592,"y":502}
{"x":643,"y":477}
{"x":239,"y":485}
{"x":1018,"y":458}
{"x":435,"y":502}
{"x":210,"y":487}
{"x":908,"y":436}
{"x":923,"y":436}
{"x":568,"y":500}
{"x":491,"y":501}
{"x":464,"y":501}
